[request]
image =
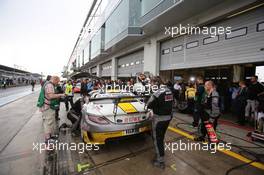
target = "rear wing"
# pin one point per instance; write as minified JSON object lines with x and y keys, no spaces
{"x":120,"y":98}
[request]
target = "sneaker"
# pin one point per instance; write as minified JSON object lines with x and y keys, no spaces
{"x":195,"y":124}
{"x":158,"y":164}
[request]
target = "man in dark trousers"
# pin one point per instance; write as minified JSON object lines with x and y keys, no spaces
{"x":211,"y":109}
{"x":255,"y":90}
{"x":241,"y":102}
{"x":84,"y":88}
{"x":33,"y":84}
{"x":198,"y":101}
{"x":160,"y":103}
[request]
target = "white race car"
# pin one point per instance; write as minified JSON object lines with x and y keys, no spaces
{"x":113,"y":114}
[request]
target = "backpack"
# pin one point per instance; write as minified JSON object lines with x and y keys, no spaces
{"x":54,"y":103}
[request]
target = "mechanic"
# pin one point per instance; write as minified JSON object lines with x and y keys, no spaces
{"x":160,"y":103}
{"x":75,"y":114}
{"x":69,"y":95}
{"x":210,"y":107}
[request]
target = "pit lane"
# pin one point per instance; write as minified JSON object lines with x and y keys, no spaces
{"x":127,"y":156}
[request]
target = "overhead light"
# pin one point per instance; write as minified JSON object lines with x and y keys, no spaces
{"x":192,"y":79}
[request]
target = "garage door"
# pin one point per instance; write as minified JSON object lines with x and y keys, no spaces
{"x":130,"y":64}
{"x":94,"y":70}
{"x":243,"y":45}
{"x":106,"y":69}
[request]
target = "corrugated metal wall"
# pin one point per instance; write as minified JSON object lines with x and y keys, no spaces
{"x":106,"y":69}
{"x":221,"y":51}
{"x":94,"y":70}
{"x":129,"y":65}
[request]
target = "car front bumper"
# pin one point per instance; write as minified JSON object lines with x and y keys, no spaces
{"x":98,"y":134}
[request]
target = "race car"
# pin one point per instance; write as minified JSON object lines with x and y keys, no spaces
{"x":111,"y":115}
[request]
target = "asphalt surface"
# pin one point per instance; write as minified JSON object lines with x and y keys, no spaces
{"x":21,"y":126}
{"x":11,"y":94}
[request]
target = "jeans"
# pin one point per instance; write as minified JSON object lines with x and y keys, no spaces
{"x":251,"y":108}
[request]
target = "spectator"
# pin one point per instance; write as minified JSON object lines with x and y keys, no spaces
{"x":200,"y":92}
{"x":33,"y":84}
{"x":84,"y":87}
{"x":69,"y":95}
{"x":233,"y":92}
{"x":4,"y":84}
{"x":47,"y":79}
{"x":89,"y":86}
{"x":177,"y":88}
{"x":240,"y":103}
{"x":255,"y":89}
{"x":260,"y":119}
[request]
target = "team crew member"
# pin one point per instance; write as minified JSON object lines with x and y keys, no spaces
{"x":211,"y":109}
{"x":189,"y":96}
{"x":48,"y":113}
{"x":197,"y":101}
{"x":161,"y":104}
{"x":69,"y":95}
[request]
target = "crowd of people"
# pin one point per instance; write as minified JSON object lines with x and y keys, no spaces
{"x":245,"y":99}
{"x":4,"y":83}
{"x":10,"y":82}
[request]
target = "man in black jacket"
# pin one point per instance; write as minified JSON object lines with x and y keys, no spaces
{"x":198,"y":101}
{"x":240,"y":103}
{"x":161,"y":105}
{"x":255,"y":90}
{"x":84,"y":91}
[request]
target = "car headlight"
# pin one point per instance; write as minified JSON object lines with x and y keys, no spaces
{"x":97,"y":119}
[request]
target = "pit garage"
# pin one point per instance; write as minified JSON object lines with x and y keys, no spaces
{"x":231,"y":57}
